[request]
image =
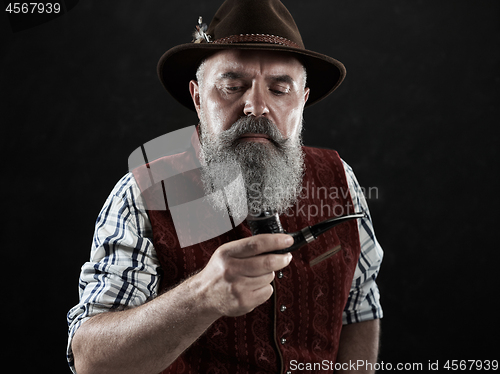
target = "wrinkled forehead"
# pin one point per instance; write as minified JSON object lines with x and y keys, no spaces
{"x":252,"y":63}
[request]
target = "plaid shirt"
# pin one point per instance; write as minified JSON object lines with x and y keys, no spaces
{"x":123,"y":270}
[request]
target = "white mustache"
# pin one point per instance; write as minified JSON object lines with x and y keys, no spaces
{"x":250,"y":124}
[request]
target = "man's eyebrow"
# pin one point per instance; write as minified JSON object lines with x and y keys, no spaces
{"x":231,"y":75}
{"x":285,"y":78}
{"x":282,"y":78}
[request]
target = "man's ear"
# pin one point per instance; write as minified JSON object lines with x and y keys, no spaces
{"x":194,"y":90}
{"x":306,"y":94}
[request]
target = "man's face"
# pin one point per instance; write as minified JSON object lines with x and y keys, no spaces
{"x":250,"y":107}
{"x":240,"y":83}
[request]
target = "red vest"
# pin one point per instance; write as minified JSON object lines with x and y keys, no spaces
{"x":303,"y":319}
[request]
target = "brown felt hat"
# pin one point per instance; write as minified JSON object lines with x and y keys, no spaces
{"x":254,"y":25}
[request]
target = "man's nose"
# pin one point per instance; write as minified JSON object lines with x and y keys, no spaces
{"x":255,"y":102}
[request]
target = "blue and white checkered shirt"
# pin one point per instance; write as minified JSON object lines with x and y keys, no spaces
{"x":123,"y":270}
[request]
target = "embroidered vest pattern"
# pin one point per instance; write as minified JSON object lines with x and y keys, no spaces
{"x":303,"y":319}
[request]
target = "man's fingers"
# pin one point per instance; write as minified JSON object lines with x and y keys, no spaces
{"x":249,"y":256}
{"x":259,"y":244}
{"x":263,"y":294}
{"x":254,"y":283}
{"x":241,"y":272}
{"x":264,"y":264}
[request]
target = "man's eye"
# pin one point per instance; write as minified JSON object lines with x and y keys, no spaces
{"x":280,"y":90}
{"x":232,"y":89}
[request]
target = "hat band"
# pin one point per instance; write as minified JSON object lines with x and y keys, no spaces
{"x":257,"y":38}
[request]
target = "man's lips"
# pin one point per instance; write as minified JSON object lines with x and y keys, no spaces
{"x":254,"y":137}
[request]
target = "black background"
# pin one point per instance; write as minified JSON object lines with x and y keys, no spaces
{"x":415,"y":118}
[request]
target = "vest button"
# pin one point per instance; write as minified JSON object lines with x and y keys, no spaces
{"x":283,"y":308}
{"x":283,"y":340}
{"x":280,"y":274}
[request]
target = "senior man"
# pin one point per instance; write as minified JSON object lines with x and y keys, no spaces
{"x":149,"y":304}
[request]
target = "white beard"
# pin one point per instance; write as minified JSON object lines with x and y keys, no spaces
{"x":249,"y":176}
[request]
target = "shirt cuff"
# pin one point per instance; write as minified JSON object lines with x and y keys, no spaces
{"x":363,"y":304}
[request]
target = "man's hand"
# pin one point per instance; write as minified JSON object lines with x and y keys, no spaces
{"x":147,"y":339}
{"x":239,"y":274}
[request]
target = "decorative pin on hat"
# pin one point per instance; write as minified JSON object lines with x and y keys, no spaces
{"x":199,"y":34}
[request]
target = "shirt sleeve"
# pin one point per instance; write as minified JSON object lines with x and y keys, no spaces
{"x":363,"y":303}
{"x":123,"y":270}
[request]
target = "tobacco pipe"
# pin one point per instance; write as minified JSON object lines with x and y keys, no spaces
{"x":268,"y":222}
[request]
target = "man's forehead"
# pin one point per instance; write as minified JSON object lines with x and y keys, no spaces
{"x":271,"y":62}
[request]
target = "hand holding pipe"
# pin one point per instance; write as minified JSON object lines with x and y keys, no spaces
{"x":269,"y":222}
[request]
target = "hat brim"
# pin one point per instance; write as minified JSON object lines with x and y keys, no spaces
{"x":178,"y":66}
